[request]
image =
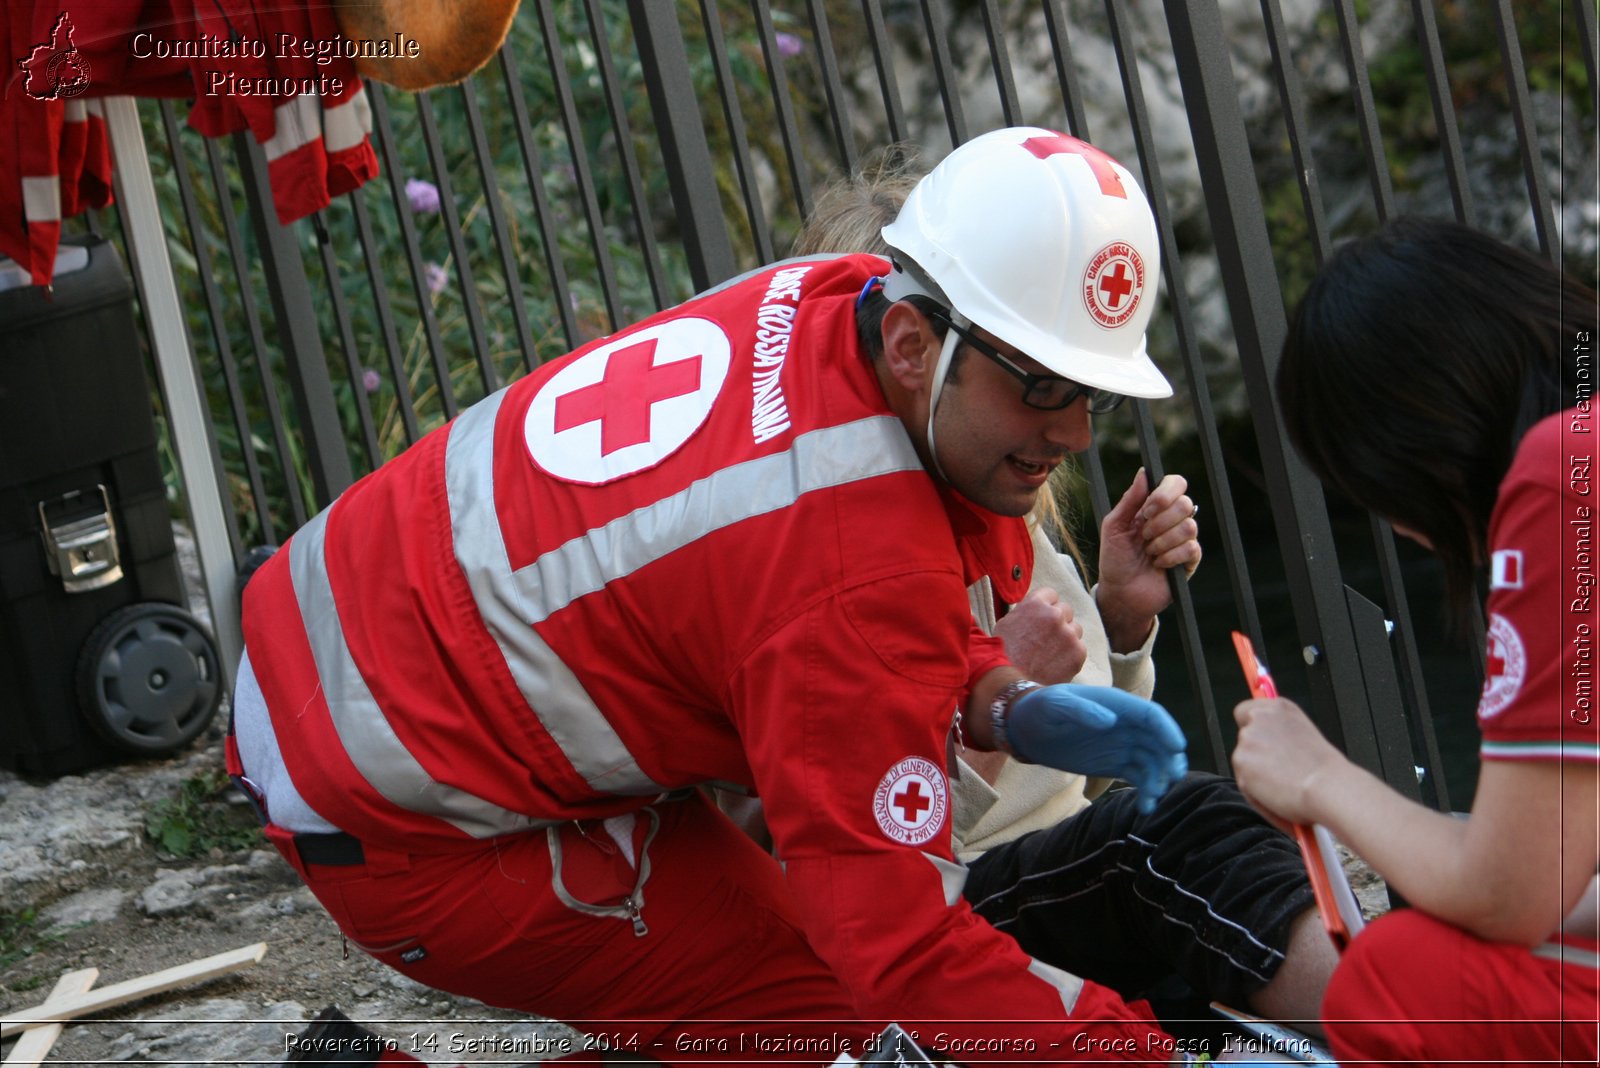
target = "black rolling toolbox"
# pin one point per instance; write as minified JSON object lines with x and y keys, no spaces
{"x":98,"y":660}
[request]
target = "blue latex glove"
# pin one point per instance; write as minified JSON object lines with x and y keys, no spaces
{"x":1102,"y":731}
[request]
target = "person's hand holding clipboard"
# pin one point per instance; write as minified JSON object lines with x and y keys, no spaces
{"x":1335,"y":900}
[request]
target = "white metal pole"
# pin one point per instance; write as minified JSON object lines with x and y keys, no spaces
{"x":186,"y":406}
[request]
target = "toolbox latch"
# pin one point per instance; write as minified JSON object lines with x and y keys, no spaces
{"x":80,"y":541}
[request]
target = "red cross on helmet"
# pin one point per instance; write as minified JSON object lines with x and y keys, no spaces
{"x":1047,"y":243}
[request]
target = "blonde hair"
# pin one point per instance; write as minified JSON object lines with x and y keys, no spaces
{"x":848,"y":217}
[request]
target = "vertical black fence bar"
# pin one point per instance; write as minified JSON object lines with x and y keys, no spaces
{"x":1527,"y":128}
{"x":217,"y":319}
{"x":733,"y":115}
{"x":1366,"y":109}
{"x":783,"y":104}
{"x":305,"y":363}
{"x":1211,"y":449}
{"x":580,"y":160}
{"x":258,"y":345}
{"x":451,"y":214}
{"x":618,"y":110}
{"x":384,"y":129}
{"x":347,"y":339}
{"x":533,"y":169}
{"x":372,"y":258}
{"x":1005,"y":79}
{"x":685,"y":153}
{"x":1078,"y":126}
{"x":1401,"y":636}
{"x":1444,"y":109}
{"x":883,"y":62}
{"x":838,"y":103}
{"x":1584,"y":16}
{"x":937,"y":21}
{"x":497,"y":224}
{"x":1292,"y":98}
{"x":1066,"y":73}
{"x":1387,"y":726}
{"x":1238,"y":226}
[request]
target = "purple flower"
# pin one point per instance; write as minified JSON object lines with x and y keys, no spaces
{"x":789,"y":45}
{"x":436,"y":277}
{"x":370,"y":380}
{"x":423,"y":195}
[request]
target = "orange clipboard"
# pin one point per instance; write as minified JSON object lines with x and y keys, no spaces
{"x":1329,"y":884}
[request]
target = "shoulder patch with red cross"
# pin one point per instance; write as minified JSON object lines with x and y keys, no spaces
{"x":1506,"y":666}
{"x":911,"y":801}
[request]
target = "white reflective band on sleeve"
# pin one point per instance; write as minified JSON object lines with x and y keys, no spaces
{"x":345,"y":125}
{"x":952,"y":874}
{"x":819,"y":459}
{"x":552,"y":692}
{"x":368,"y":739}
{"x":1574,"y":955}
{"x":299,"y":122}
{"x":1069,"y":985}
{"x":41,"y":198}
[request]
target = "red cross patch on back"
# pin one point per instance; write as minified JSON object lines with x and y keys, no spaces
{"x":629,"y":404}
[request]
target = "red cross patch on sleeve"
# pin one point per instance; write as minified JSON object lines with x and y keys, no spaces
{"x":911,"y":801}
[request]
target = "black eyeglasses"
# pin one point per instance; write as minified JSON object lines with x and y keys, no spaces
{"x":1048,"y":392}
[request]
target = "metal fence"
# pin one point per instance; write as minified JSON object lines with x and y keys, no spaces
{"x":619,"y":155}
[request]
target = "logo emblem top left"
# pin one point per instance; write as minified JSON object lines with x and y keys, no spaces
{"x":626,"y":406}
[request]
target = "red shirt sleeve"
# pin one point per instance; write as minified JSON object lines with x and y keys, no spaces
{"x":844,"y":713}
{"x":1538,"y":693}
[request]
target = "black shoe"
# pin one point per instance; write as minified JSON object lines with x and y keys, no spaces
{"x":334,"y":1038}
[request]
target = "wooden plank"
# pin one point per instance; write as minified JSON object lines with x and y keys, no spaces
{"x":119,"y":993}
{"x":32,"y":1048}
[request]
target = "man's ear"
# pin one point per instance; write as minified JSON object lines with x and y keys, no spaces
{"x":909,"y":346}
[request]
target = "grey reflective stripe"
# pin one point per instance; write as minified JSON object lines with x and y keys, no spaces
{"x":1067,"y":984}
{"x":552,"y":692}
{"x":1575,"y":955}
{"x":952,"y":876}
{"x":511,"y":603}
{"x":380,"y":756}
{"x":819,"y":459}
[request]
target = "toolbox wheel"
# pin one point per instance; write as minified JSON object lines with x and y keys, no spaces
{"x":148,"y":678}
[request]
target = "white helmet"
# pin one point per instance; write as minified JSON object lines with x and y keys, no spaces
{"x":1047,"y":243}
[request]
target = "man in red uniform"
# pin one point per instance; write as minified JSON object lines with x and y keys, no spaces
{"x":724,"y":546}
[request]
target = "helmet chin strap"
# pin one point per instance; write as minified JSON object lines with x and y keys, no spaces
{"x":899,"y":284}
{"x":941,"y":369}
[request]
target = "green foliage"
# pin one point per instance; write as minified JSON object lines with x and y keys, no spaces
{"x":16,"y":935}
{"x":19,"y":940}
{"x":198,"y":819}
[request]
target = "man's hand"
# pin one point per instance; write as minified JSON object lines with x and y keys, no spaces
{"x":1098,"y":730}
{"x":1147,"y":533}
{"x":1042,"y":638}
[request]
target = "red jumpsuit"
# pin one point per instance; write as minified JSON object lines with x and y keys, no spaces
{"x":1415,"y":989}
{"x":700,"y":551}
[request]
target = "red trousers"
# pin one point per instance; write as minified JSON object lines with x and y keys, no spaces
{"x":722,"y":944}
{"x":1414,"y":990}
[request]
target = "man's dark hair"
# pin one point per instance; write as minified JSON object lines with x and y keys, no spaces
{"x":1414,"y":364}
{"x":869,"y":323}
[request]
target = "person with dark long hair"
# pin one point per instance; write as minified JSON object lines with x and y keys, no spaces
{"x":1443,"y":380}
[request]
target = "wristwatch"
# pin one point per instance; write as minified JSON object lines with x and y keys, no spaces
{"x":1000,"y":709}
